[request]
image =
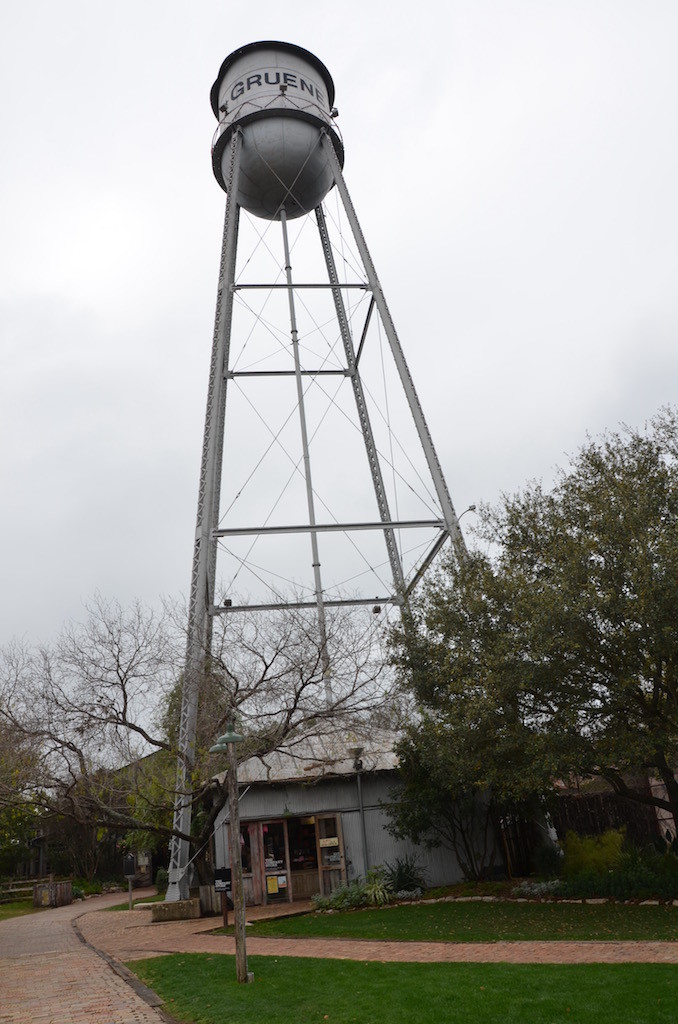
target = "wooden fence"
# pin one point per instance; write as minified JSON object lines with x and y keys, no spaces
{"x":21,"y":888}
{"x":591,"y":814}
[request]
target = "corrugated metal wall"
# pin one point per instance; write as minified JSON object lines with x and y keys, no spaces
{"x":439,"y":866}
{"x":264,"y":802}
{"x":275,"y":800}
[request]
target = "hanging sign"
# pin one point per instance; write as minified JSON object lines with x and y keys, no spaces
{"x":222,"y":880}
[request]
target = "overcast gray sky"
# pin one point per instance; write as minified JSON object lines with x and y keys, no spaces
{"x":514,"y":168}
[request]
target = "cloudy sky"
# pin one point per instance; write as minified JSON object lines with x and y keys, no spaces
{"x":514,"y":168}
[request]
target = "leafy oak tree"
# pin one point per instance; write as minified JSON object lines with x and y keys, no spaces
{"x":554,"y":654}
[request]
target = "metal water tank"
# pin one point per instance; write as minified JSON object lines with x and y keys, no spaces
{"x":282,"y":98}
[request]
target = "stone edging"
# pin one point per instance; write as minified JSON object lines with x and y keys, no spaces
{"x":143,"y":991}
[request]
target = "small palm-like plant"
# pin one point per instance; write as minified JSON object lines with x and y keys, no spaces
{"x":377,"y":887}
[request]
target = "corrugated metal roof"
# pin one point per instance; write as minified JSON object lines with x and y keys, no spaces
{"x":309,"y":758}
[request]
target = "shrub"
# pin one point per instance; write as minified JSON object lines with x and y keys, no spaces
{"x":87,"y":887}
{"x":668,"y":867}
{"x":409,"y":894}
{"x":592,"y":855}
{"x":377,"y":887}
{"x":638,"y":874}
{"x":539,"y":890}
{"x":405,"y":875}
{"x":345,"y":897}
{"x":547,"y":861}
{"x":161,"y":879}
{"x":375,"y":891}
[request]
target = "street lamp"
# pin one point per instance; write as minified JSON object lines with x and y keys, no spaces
{"x":226,"y":743}
{"x":355,"y":753}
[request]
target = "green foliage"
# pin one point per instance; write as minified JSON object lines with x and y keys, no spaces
{"x":161,"y":879}
{"x":405,"y":875}
{"x":539,"y":890}
{"x":88,"y":886}
{"x":149,"y":786}
{"x":603,"y":867}
{"x":19,"y":813}
{"x":344,"y":897}
{"x":634,"y":875}
{"x":553,"y":653}
{"x":670,"y":845}
{"x":78,"y":848}
{"x":374,"y":891}
{"x":18,"y":827}
{"x":592,"y":855}
{"x":547,"y":860}
{"x":377,"y":887}
{"x":437,"y":802}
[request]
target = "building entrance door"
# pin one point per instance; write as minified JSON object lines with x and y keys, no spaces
{"x":276,"y":861}
{"x":330,"y":853}
{"x":303,"y":857}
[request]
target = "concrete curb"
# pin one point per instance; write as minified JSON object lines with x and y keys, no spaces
{"x":143,"y":991}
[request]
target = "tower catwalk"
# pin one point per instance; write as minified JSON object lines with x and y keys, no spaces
{"x":313,"y":342}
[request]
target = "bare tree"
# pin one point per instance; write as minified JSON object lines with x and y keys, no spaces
{"x":87,"y":708}
{"x":99,"y":708}
{"x":271,"y":672}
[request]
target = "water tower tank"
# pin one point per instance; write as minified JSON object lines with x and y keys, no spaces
{"x":281,"y":96}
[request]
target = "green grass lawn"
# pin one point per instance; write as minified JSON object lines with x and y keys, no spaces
{"x":158,"y":898}
{"x":201,"y":989}
{"x":17,"y":909}
{"x":484,"y":922}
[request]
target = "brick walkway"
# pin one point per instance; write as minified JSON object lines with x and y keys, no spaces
{"x":64,"y":966}
{"x":133,"y":937}
{"x":49,"y":976}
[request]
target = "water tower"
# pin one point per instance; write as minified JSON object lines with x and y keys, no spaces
{"x":278,"y":155}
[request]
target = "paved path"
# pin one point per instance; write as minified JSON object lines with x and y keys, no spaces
{"x":133,"y":937}
{"x":63,"y":966}
{"x":49,"y":976}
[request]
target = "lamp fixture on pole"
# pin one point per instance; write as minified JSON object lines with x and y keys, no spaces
{"x":355,"y":753}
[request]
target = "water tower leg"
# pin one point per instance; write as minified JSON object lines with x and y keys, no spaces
{"x":199,"y":632}
{"x":449,"y":515}
{"x":310,"y":504}
{"x":361,"y":406}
